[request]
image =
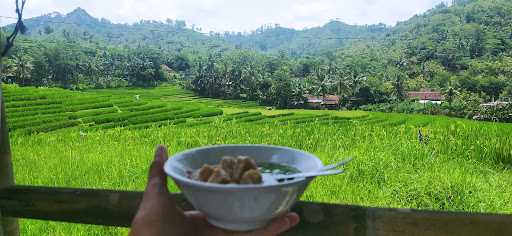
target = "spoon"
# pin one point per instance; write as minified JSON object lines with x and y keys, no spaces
{"x":305,"y":175}
{"x":326,"y":170}
{"x":336,"y":165}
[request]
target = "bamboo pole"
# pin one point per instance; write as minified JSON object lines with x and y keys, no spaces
{"x":8,"y":226}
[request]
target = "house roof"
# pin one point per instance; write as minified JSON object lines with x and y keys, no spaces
{"x":331,"y":100}
{"x":314,"y":99}
{"x":426,"y":95}
{"x":327,"y":100}
{"x":495,"y":104}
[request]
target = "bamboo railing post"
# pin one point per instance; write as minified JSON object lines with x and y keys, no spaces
{"x":8,"y":226}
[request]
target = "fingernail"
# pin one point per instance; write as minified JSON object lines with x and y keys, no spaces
{"x":160,"y":153}
{"x":293,"y":218}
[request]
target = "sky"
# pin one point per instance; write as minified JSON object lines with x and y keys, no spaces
{"x":234,"y":15}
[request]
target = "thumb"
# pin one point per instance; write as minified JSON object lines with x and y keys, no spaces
{"x":157,"y":179}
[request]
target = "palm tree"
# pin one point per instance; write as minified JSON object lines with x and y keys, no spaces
{"x":450,"y":94}
{"x":322,"y":81}
{"x":21,"y":67}
{"x":398,"y":80}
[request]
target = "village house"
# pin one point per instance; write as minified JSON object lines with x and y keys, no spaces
{"x":500,"y":103}
{"x":495,"y":104}
{"x":426,"y":96}
{"x":331,"y":102}
{"x":327,"y":102}
{"x":314,"y":102}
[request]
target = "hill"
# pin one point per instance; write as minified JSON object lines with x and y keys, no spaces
{"x":467,"y":45}
{"x":453,"y":36}
{"x":313,"y":41}
{"x":81,"y":26}
{"x":174,"y":34}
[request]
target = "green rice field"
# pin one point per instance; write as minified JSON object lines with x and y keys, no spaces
{"x":105,"y":139}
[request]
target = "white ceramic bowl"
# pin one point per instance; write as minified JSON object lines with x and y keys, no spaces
{"x":241,"y":207}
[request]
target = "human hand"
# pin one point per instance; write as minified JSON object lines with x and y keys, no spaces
{"x":159,"y":215}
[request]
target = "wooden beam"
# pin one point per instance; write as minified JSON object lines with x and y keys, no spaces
{"x":117,"y":208}
{"x":9,"y":226}
{"x":87,"y":206}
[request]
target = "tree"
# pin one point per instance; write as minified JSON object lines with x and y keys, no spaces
{"x":180,"y":62}
{"x":507,"y":92}
{"x":493,"y":86}
{"x":21,"y":67}
{"x":282,"y":91}
{"x":144,"y":67}
{"x":19,"y":27}
{"x":322,"y":79}
{"x":48,"y":30}
{"x":450,"y":94}
{"x":398,"y":81}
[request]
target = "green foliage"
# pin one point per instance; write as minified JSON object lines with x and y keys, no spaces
{"x":299,"y":43}
{"x":2,"y":39}
{"x":460,"y":49}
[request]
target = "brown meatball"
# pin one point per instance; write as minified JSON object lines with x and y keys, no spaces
{"x":228,"y":164}
{"x":251,"y":177}
{"x":239,"y":170}
{"x":243,"y":164}
{"x":219,"y":176}
{"x":204,"y":173}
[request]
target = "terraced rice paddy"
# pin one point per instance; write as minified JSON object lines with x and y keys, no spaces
{"x":36,"y":110}
{"x":105,"y":139}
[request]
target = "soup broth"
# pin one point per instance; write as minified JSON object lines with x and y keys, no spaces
{"x":276,"y":169}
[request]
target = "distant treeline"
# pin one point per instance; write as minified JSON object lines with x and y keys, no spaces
{"x":464,"y":51}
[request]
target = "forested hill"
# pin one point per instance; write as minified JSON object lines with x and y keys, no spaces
{"x":456,"y":35}
{"x":175,"y":34}
{"x":317,"y":40}
{"x":467,"y":45}
{"x":79,"y":25}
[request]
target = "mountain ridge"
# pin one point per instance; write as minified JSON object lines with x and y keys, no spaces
{"x":175,"y":35}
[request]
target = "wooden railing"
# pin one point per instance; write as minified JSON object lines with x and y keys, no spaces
{"x":117,"y":208}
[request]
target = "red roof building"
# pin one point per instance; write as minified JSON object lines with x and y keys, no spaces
{"x":426,"y":95}
{"x":331,"y":100}
{"x":314,"y":99}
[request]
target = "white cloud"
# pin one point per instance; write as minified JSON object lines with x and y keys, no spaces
{"x":234,"y":15}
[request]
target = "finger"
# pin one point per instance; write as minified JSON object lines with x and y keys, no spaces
{"x":161,"y":154}
{"x":196,"y":215}
{"x":279,"y":225}
{"x":157,"y":179}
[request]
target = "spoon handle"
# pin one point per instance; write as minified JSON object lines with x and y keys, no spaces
{"x":305,"y":175}
{"x":336,"y":165}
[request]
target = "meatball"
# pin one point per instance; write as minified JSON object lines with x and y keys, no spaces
{"x":251,"y":177}
{"x":243,"y":164}
{"x":204,"y":173}
{"x":231,"y":170}
{"x":228,"y":164}
{"x":219,"y":176}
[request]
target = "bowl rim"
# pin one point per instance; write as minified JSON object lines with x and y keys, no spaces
{"x":177,"y":177}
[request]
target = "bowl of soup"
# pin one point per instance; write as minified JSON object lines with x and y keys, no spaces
{"x":243,"y":207}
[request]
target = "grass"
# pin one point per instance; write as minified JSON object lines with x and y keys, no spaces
{"x":461,"y":166}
